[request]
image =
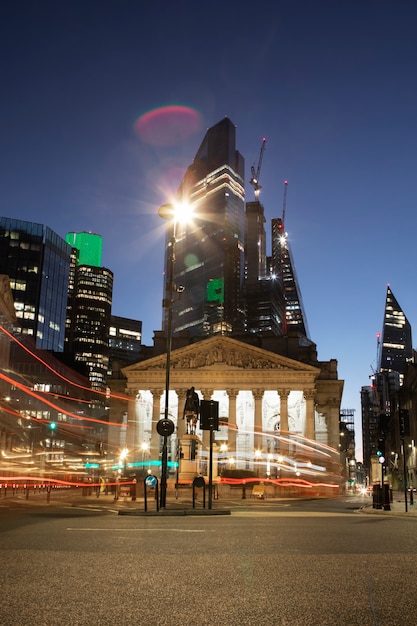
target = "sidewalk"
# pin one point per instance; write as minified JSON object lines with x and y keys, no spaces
{"x":397,"y":507}
{"x":182,"y":505}
{"x":124,"y":505}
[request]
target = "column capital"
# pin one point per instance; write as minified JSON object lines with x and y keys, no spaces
{"x":232,"y":393}
{"x":207,"y":393}
{"x":309,"y":394}
{"x":284,"y":393}
{"x":156,"y":392}
{"x":258,"y":394}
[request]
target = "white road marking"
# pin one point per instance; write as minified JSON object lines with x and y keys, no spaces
{"x":135,"y":530}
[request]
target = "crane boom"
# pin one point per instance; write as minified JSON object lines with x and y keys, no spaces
{"x":284,"y":203}
{"x":255,"y":174}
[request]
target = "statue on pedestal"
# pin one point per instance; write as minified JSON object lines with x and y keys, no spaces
{"x":191,"y":410}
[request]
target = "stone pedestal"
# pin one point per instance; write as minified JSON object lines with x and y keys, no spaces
{"x":189,"y":457}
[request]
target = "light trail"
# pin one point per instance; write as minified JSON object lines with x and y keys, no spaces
{"x":67,"y":380}
{"x":52,"y":405}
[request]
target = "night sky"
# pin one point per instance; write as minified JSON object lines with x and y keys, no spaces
{"x":88,"y":143}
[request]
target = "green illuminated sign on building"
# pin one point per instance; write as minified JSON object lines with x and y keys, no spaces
{"x":215,"y":290}
{"x":89,"y":246}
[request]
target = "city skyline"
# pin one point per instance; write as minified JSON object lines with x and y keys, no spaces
{"x":104,"y":110}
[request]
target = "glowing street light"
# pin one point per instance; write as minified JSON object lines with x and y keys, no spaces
{"x":165,"y":427}
{"x":145,"y":451}
{"x":222,"y":460}
{"x":258,"y":455}
{"x":123,"y":459}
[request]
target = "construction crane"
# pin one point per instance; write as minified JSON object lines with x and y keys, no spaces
{"x":284,"y":203}
{"x":254,"y":181}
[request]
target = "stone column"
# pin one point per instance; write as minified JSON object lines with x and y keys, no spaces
{"x":181,"y":423}
{"x":207,"y":393}
{"x":283,"y":422}
{"x":258,"y":394}
{"x":232,"y":422}
{"x":154,"y":452}
{"x":132,"y":427}
{"x":310,"y":428}
{"x":332,"y":413}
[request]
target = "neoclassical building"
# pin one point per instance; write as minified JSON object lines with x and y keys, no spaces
{"x":260,"y":394}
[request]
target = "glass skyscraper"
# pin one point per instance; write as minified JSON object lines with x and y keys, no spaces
{"x":396,"y":348}
{"x":263,"y":291}
{"x":90,"y":291}
{"x":209,"y":260}
{"x":37,"y":262}
{"x":283,"y":267}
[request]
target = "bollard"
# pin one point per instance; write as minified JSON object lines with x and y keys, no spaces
{"x":133,"y":490}
{"x":385,"y":498}
{"x":243,"y":490}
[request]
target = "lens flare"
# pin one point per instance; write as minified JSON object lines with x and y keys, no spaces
{"x":167,"y":126}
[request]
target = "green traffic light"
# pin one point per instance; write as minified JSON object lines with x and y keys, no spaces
{"x":52,"y":426}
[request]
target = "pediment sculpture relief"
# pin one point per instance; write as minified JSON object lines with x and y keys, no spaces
{"x":233,"y":358}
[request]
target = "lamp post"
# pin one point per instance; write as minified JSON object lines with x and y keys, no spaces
{"x":258,"y":455}
{"x":165,"y":426}
{"x":145,"y":452}
{"x":123,"y":460}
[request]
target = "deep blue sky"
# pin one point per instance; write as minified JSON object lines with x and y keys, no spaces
{"x":330,"y":84}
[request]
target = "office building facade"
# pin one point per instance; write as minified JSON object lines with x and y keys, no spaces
{"x":284,"y":269}
{"x":125,"y":341}
{"x":37,"y":262}
{"x":396,"y":345}
{"x":263,"y":289}
{"x":90,"y":294}
{"x":209,"y":263}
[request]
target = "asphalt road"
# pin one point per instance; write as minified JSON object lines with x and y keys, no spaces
{"x":279,"y":563}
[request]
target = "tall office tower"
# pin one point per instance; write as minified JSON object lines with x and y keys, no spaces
{"x":37,"y":262}
{"x":209,"y":260}
{"x":283,"y":266}
{"x":125,"y":341}
{"x":371,"y":411}
{"x":263,"y":292}
{"x":89,"y":308}
{"x":396,"y":349}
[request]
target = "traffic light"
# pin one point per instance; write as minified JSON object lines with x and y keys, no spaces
{"x":52,"y":426}
{"x":380,"y":452}
{"x":404,"y":423}
{"x":209,"y":415}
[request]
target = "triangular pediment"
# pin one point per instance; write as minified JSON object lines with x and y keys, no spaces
{"x":221,"y":352}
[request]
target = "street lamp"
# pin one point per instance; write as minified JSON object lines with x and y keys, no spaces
{"x":123,"y":459}
{"x":145,"y":451}
{"x":165,"y":426}
{"x":258,"y":455}
{"x":223,"y":450}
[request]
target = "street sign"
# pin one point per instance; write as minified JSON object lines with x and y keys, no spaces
{"x":165,"y":427}
{"x":150,"y":481}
